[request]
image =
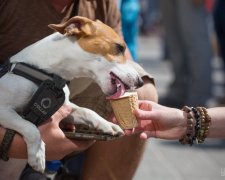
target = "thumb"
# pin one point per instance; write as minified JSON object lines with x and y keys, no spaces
{"x":143,"y":115}
{"x":62,"y":113}
{"x":147,"y":134}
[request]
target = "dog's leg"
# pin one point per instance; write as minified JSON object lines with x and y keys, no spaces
{"x":35,"y":146}
{"x":90,"y":118}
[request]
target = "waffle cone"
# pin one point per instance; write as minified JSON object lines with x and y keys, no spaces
{"x":123,"y":109}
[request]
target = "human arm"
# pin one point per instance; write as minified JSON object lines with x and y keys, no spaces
{"x":57,"y":145}
{"x":170,"y":123}
{"x":217,"y":128}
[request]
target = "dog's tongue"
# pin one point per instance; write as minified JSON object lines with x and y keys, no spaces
{"x":120,"y":90}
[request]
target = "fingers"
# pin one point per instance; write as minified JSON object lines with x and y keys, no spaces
{"x":144,"y":105}
{"x":128,"y":132}
{"x":62,"y":113}
{"x":147,"y":134}
{"x":150,"y":105}
{"x":67,"y":126}
{"x":143,"y":115}
{"x":143,"y":135}
{"x":144,"y":111}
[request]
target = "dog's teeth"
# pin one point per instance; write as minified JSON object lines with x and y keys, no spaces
{"x":118,"y":86}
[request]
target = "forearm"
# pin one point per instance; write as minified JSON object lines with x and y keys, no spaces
{"x":148,"y":91}
{"x":17,"y":148}
{"x":217,"y":128}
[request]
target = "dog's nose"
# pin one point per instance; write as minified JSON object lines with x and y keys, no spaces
{"x":140,"y":83}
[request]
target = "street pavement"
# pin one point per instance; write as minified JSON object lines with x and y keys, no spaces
{"x":169,"y":160}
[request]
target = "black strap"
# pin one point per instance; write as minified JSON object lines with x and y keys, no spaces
{"x":32,"y":73}
{"x":37,"y":75}
{"x":6,"y":142}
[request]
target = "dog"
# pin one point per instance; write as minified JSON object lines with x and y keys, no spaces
{"x":80,"y":47}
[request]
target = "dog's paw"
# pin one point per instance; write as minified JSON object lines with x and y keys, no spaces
{"x":36,"y":158}
{"x":117,"y":129}
{"x":111,"y":128}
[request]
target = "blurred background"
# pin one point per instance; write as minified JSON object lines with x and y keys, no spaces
{"x":181,"y":43}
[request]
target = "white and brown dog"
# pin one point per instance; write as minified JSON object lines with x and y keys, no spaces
{"x":80,"y":48}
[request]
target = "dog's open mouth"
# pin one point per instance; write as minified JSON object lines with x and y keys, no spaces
{"x":120,"y":87}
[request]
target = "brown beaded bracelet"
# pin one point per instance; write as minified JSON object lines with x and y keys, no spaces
{"x":205,"y":124}
{"x":188,"y":138}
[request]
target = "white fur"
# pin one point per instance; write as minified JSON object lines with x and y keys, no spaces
{"x":61,"y":55}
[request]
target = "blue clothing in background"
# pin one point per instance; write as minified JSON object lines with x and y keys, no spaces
{"x":129,"y":15}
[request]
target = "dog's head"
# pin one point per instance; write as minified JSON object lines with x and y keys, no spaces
{"x":106,"y":62}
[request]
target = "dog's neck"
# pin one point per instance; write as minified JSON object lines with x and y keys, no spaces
{"x":55,"y":54}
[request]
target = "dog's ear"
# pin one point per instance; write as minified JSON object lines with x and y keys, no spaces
{"x":75,"y":26}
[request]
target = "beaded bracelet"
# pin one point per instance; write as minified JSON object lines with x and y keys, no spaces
{"x":205,"y":124}
{"x":198,"y":123}
{"x":188,"y":138}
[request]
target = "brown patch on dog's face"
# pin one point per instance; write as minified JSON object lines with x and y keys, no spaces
{"x":94,"y":37}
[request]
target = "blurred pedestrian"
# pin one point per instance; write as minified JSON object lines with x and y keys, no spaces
{"x":190,"y":52}
{"x":149,"y":16}
{"x":219,"y":23}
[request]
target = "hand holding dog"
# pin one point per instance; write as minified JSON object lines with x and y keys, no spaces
{"x":159,"y":121}
{"x":57,"y":145}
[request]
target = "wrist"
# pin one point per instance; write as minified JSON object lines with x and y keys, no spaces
{"x":183,"y":124}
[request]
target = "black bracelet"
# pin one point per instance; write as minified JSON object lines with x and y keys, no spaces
{"x":6,"y":142}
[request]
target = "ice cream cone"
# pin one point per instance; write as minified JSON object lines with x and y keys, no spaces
{"x":123,"y":108}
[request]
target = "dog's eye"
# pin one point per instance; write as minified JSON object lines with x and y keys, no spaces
{"x":120,"y":48}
